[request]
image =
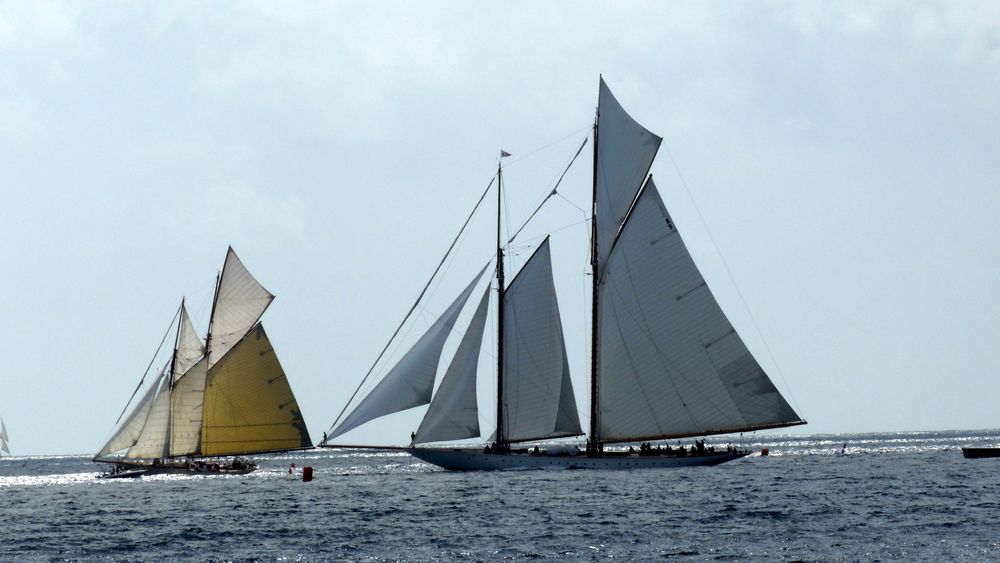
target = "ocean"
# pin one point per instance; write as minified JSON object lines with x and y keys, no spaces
{"x":890,"y":496}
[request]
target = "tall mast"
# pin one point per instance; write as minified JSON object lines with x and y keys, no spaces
{"x":501,"y":435}
{"x":211,"y":317}
{"x":170,"y":381}
{"x":594,"y":442}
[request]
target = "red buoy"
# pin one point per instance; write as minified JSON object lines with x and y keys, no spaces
{"x":763,"y":452}
{"x":307,"y":474}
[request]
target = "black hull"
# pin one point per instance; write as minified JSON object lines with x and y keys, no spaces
{"x":977,"y":453}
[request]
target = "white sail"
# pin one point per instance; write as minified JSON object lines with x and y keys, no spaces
{"x":152,"y":440}
{"x":240,"y":301}
{"x":625,"y":151}
{"x":537,"y":392}
{"x":411,"y":381}
{"x":3,"y":437}
{"x":671,"y":363}
{"x":453,"y":413}
{"x":187,"y":403}
{"x":128,"y":432}
{"x":189,"y":347}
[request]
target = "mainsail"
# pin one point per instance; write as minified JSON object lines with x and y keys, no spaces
{"x":671,"y":364}
{"x":410,"y":383}
{"x":249,"y":406}
{"x":233,"y":399}
{"x":538,"y":392}
{"x":667,"y":361}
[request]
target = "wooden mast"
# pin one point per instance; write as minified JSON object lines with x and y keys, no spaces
{"x":593,"y":444}
{"x":501,"y":441}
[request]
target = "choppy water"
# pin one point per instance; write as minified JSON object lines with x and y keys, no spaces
{"x":893,"y":496}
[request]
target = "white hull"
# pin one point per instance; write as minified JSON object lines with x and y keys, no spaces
{"x":458,"y":459}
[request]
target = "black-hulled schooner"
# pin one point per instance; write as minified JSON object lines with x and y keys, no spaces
{"x":213,"y":402}
{"x":665,"y":361}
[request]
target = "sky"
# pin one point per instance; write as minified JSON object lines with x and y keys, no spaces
{"x":832,"y":167}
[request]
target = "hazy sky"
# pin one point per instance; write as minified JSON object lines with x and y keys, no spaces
{"x":844,"y":157}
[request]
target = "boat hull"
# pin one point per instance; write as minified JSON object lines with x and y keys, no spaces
{"x":466,"y":459}
{"x":127,"y":469}
{"x":976,"y":453}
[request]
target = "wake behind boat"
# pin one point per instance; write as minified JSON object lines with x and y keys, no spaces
{"x":665,"y":361}
{"x":214,"y":402}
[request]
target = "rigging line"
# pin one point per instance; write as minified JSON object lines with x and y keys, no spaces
{"x":729,"y":272}
{"x":528,"y":154}
{"x":552,"y":193}
{"x":145,"y":373}
{"x":417,"y":302}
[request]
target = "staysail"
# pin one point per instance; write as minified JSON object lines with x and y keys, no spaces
{"x":187,"y":404}
{"x":671,"y":364}
{"x":249,"y":406}
{"x":189,"y":347}
{"x":453,"y":413}
{"x":538,"y":393}
{"x":128,"y":433}
{"x":239,"y":303}
{"x":411,"y":381}
{"x":152,"y":440}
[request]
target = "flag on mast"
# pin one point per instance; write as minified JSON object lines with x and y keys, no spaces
{"x":504,"y":153}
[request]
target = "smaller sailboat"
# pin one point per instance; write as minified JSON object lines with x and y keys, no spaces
{"x":4,"y":445}
{"x":213,"y":402}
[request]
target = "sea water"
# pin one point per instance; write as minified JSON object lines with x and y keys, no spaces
{"x":905,"y":496}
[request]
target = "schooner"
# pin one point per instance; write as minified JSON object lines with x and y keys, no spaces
{"x":665,"y":360}
{"x":214,"y":401}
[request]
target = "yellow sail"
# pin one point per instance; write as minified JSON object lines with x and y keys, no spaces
{"x":249,"y":407}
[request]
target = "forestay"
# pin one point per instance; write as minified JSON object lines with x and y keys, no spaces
{"x":411,"y":381}
{"x":671,"y":363}
{"x":537,"y":392}
{"x":241,"y":300}
{"x":453,"y":413}
{"x":625,"y":151}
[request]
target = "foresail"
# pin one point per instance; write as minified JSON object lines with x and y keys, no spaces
{"x":187,"y":405}
{"x":411,"y":381}
{"x":128,"y":432}
{"x":625,"y":151}
{"x":240,"y":302}
{"x":152,"y":440}
{"x":249,"y":406}
{"x":671,"y":363}
{"x":538,"y":394}
{"x":453,"y":413}
{"x":189,"y":347}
